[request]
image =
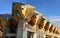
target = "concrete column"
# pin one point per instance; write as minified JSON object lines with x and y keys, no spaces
{"x":24,"y":33}
{"x":52,"y":36}
{"x":59,"y":36}
{"x":35,"y":35}
{"x":20,"y":31}
{"x":43,"y":36}
{"x":4,"y":32}
{"x":40,"y":35}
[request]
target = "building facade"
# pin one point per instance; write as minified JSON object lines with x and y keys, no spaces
{"x":26,"y":22}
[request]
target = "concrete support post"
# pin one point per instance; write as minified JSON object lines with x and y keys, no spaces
{"x":40,"y":35}
{"x":35,"y":35}
{"x":24,"y":33}
{"x":52,"y":36}
{"x":43,"y":36}
{"x":59,"y":36}
{"x":37,"y":32}
{"x":20,"y":31}
{"x":4,"y":33}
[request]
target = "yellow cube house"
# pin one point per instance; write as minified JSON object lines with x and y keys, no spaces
{"x":39,"y":16}
{"x":35,"y":19}
{"x":27,"y":11}
{"x":24,"y":11}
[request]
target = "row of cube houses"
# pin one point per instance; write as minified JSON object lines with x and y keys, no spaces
{"x":33,"y":17}
{"x":29,"y":13}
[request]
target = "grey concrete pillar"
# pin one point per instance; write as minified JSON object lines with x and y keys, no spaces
{"x":4,"y":32}
{"x":52,"y":37}
{"x":40,"y":36}
{"x":43,"y":36}
{"x":24,"y":33}
{"x":20,"y":31}
{"x":35,"y":35}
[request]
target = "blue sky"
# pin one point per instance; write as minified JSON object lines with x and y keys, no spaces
{"x":47,"y":7}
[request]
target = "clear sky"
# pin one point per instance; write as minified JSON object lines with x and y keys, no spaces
{"x":47,"y":7}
